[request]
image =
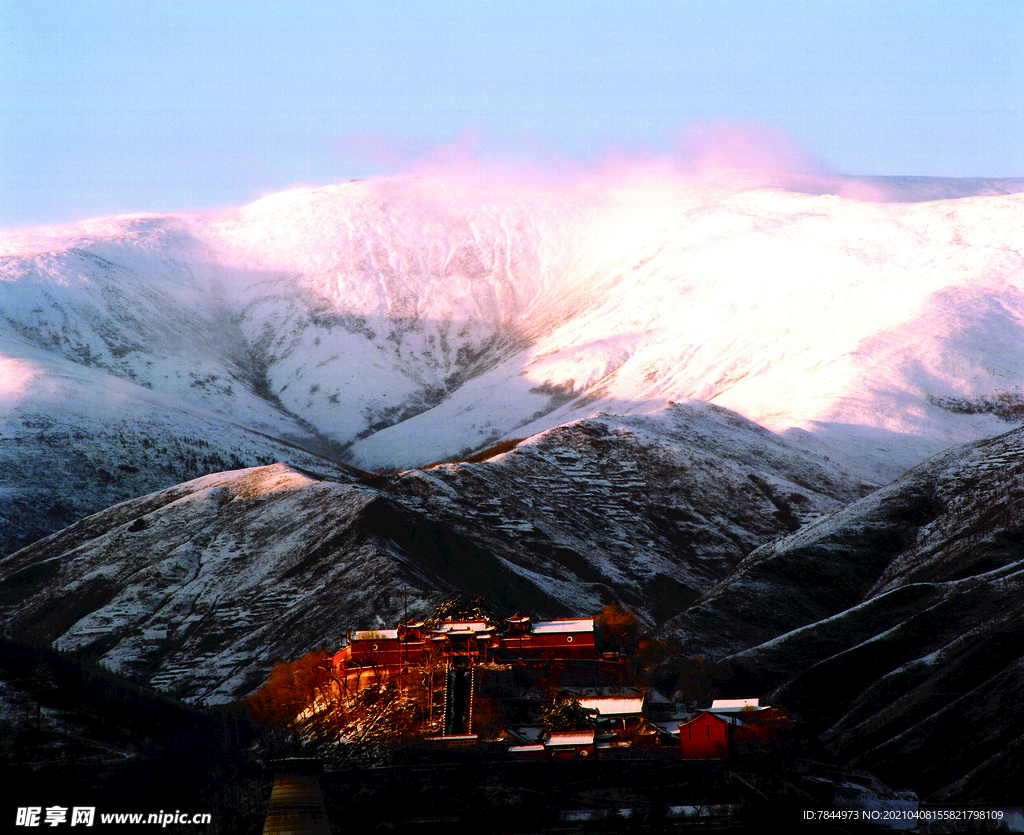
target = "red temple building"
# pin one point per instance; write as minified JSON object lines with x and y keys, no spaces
{"x":374,"y":654}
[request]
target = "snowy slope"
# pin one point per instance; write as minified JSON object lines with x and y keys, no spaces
{"x":391,"y":323}
{"x":650,"y":510}
{"x":201,"y":587}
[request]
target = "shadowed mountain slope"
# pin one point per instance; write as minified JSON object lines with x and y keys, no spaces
{"x":894,"y":625}
{"x":199,"y":588}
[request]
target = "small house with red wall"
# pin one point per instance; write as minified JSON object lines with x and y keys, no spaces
{"x":704,"y":737}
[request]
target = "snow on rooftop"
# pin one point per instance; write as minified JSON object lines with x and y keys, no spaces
{"x":729,"y":720}
{"x":570,"y":738}
{"x":735,"y":705}
{"x":463,"y":626}
{"x":375,"y":635}
{"x":549,"y":627}
{"x":613,"y":705}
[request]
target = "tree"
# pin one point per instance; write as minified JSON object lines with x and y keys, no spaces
{"x":696,"y":678}
{"x":757,"y":737}
{"x":462,"y":607}
{"x":617,"y":629}
{"x":567,"y":714}
{"x":291,"y":688}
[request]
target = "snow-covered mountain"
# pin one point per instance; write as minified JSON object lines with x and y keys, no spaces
{"x":390,"y":323}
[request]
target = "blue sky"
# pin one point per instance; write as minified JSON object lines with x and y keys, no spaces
{"x":112,"y":106}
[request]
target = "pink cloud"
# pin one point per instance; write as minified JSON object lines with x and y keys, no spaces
{"x":722,"y":153}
